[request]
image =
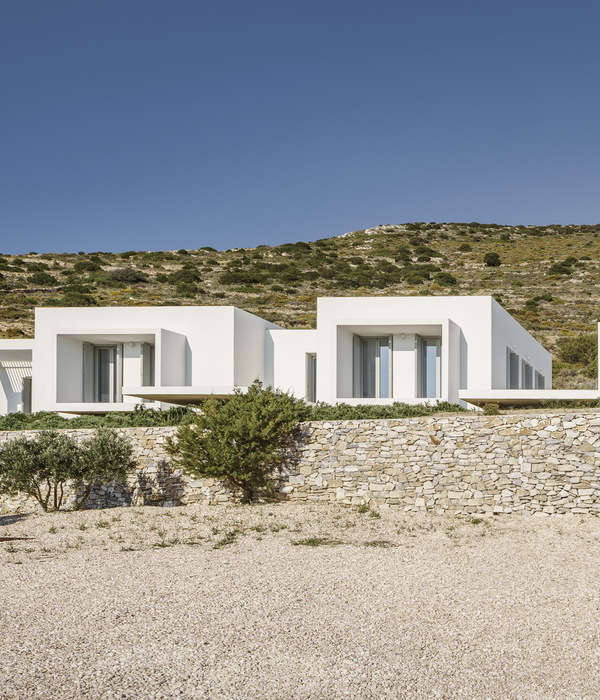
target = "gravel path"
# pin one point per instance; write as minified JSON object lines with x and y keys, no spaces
{"x":292,"y":601}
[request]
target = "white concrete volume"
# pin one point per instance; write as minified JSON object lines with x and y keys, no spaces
{"x":364,"y":350}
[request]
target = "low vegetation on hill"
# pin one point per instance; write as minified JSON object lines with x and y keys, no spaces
{"x":546,"y":276}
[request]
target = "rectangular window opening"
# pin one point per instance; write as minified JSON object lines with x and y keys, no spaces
{"x":512,"y":369}
{"x":148,"y":365}
{"x":540,"y":380}
{"x":527,"y":375}
{"x":26,"y":395}
{"x":429,"y":364}
{"x":311,"y":377}
{"x":372,"y":367}
{"x":102,"y":373}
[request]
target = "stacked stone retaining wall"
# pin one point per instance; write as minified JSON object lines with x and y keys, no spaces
{"x":461,"y":463}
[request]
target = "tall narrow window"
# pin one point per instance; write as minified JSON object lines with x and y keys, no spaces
{"x":372,"y":368}
{"x":540,"y":381}
{"x":148,"y":365}
{"x":512,"y":369}
{"x":527,"y":375}
{"x":26,"y":395}
{"x":311,"y":377}
{"x":430,"y":367}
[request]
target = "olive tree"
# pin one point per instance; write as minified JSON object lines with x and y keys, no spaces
{"x":40,"y":467}
{"x":105,"y":457}
{"x":241,"y":440}
{"x":44,"y":466}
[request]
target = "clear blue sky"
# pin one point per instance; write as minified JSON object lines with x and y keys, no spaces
{"x":165,"y":124}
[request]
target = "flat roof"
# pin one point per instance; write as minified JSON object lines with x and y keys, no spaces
{"x":181,"y":394}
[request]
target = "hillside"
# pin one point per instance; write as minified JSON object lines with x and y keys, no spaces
{"x":547,"y":277}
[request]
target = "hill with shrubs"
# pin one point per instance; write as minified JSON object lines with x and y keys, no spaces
{"x":545,"y":276}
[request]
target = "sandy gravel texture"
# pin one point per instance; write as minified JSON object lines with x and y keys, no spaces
{"x":234,"y":602}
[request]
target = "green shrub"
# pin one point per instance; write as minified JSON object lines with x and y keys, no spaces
{"x":492,"y":259}
{"x":140,"y":417}
{"x":187,"y":275}
{"x":243,"y":277}
{"x":72,"y":299}
{"x":581,"y":350}
{"x":39,"y":467}
{"x":560,"y":268}
{"x":42,"y":279}
{"x":86,"y":266}
{"x":445,"y":279}
{"x":241,"y":440}
{"x":122,"y":276}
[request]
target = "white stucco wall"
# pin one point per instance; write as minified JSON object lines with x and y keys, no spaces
{"x":290,"y":348}
{"x":250,"y":338}
{"x":466,"y":354}
{"x":199,"y":348}
{"x":508,"y":333}
{"x":195,"y":346}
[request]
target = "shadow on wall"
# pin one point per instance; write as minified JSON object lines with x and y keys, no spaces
{"x":156,"y":484}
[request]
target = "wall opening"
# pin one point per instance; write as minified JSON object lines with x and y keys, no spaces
{"x":512,"y":369}
{"x":310,"y":393}
{"x":372,"y":367}
{"x":429,"y":367}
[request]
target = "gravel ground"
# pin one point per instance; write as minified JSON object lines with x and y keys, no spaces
{"x":292,"y":601}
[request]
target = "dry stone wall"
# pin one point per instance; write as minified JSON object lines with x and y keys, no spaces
{"x":462,"y":463}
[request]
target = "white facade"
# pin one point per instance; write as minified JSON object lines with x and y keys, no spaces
{"x":364,"y":350}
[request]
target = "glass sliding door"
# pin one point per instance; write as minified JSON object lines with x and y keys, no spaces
{"x":107,"y":373}
{"x":430,"y":367}
{"x":373,"y":368}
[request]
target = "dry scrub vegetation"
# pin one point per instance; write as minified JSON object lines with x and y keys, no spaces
{"x":547,"y":277}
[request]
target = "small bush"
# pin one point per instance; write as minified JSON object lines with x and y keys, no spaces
{"x":560,"y":268}
{"x":72,"y":299}
{"x":42,"y":279}
{"x":444,"y":279}
{"x":187,"y":275}
{"x":39,"y":467}
{"x":492,"y":259}
{"x":581,"y":350}
{"x":86,"y":266}
{"x":122,"y":276}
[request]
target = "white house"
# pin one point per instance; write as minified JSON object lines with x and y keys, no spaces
{"x":363,"y":350}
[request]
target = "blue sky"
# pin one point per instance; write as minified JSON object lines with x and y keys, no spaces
{"x":166,"y":124}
